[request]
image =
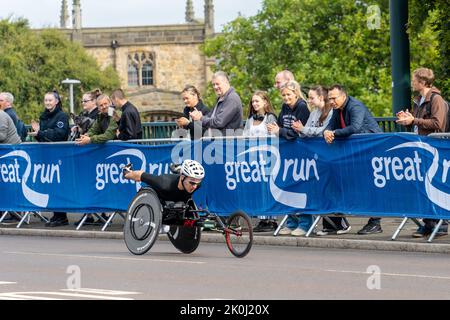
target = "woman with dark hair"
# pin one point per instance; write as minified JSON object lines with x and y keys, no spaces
{"x":260,"y":114}
{"x":318,"y":120}
{"x":87,"y":117}
{"x":192,"y":101}
{"x":320,"y":115}
{"x":53,"y":126}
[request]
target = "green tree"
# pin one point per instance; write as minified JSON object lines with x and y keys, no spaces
{"x":320,"y":41}
{"x":33,"y":63}
{"x":429,"y":25}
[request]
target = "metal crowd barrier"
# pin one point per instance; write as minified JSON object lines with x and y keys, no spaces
{"x":417,"y":222}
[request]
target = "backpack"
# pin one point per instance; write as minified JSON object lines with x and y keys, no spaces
{"x":447,"y":126}
{"x":22,"y":130}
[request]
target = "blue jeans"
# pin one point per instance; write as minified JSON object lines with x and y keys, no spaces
{"x":303,"y":221}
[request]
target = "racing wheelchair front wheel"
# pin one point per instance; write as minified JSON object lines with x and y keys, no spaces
{"x":239,"y":234}
{"x":143,"y":221}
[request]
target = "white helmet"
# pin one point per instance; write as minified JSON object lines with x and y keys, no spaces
{"x":192,"y":169}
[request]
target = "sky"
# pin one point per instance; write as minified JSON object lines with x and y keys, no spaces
{"x":111,"y":13}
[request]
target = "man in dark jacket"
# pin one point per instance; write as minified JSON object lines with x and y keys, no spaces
{"x":226,"y":116}
{"x":351,"y":116}
{"x":130,"y":126}
{"x":429,"y":116}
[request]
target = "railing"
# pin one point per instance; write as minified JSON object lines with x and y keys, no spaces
{"x":163,"y":130}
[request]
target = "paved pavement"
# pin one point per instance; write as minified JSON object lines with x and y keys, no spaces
{"x":381,"y":241}
{"x":69,"y":268}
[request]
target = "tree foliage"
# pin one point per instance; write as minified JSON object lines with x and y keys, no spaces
{"x":320,"y":41}
{"x":429,"y":25}
{"x":33,"y":63}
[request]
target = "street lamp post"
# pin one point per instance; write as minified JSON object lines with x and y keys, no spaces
{"x":71,"y":82}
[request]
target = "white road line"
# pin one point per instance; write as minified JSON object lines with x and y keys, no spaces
{"x":393,"y":274}
{"x":101,"y":291}
{"x":7,"y":282}
{"x":102,"y":257}
{"x":44,"y":295}
{"x":23,"y":296}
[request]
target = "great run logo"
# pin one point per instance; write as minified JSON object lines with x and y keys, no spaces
{"x":44,"y":173}
{"x":262,"y":170}
{"x":409,"y":169}
{"x":111,"y":173}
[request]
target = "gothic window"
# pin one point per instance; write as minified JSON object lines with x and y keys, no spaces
{"x":133,"y":75}
{"x":147,"y":74}
{"x":140,"y":68}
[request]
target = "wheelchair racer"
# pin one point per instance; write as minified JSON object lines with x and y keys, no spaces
{"x":172,"y":187}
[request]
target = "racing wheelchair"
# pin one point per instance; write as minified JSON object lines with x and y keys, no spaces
{"x":146,"y":214}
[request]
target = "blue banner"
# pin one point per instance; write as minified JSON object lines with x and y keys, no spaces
{"x":394,"y":175}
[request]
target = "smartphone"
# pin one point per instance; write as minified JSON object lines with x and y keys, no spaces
{"x":127,"y":168}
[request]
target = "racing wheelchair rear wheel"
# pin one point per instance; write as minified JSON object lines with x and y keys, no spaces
{"x":239,"y":234}
{"x":143,"y":221}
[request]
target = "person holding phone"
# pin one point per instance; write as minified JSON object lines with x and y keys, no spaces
{"x":105,"y":127}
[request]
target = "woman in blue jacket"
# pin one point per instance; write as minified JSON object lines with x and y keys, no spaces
{"x":294,"y":109}
{"x":53,"y":126}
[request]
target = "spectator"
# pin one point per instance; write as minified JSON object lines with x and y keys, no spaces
{"x":261,"y":113}
{"x":317,"y":122}
{"x":8,"y":131}
{"x":193,"y":102}
{"x":293,"y":109}
{"x":351,"y":116}
{"x":6,"y":104}
{"x":227,"y":114}
{"x":105,"y":127}
{"x":53,"y":126}
{"x":87,"y":117}
{"x":8,"y":135}
{"x":282,"y":78}
{"x":130,"y":126}
{"x":430,"y":115}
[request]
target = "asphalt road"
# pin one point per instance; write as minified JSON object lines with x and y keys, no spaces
{"x":65,"y":268}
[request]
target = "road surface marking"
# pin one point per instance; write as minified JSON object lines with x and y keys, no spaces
{"x":101,"y":291}
{"x":103,"y":257}
{"x":393,"y":274}
{"x":6,"y":282}
{"x":48,"y":295}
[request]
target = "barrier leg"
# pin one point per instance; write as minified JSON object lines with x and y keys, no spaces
{"x":331,"y":222}
{"x":400,"y":227}
{"x":23,"y":219}
{"x":40,"y":216}
{"x":313,"y":226}
{"x":107,"y":223}
{"x":280,"y":225}
{"x":3,"y":216}
{"x":435,"y":230}
{"x":83,"y":220}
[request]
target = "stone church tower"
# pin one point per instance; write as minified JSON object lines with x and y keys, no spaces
{"x":154,"y":62}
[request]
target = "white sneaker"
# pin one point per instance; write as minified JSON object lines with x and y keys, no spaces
{"x":298,"y":232}
{"x":285,"y":231}
{"x":344,"y":231}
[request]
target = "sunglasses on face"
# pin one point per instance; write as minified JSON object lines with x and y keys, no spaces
{"x":194,"y":184}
